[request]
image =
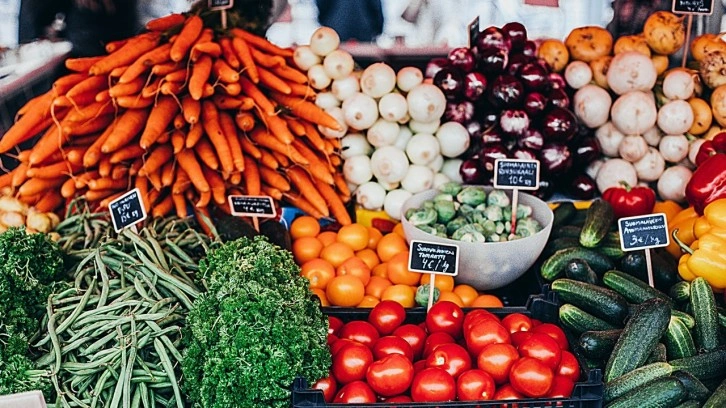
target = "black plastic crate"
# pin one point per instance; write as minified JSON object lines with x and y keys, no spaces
{"x":587,"y":393}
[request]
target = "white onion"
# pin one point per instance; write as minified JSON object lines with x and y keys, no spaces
{"x":453,"y":138}
{"x":404,"y":135}
{"x":650,"y":166}
{"x":674,"y":148}
{"x":678,"y":84}
{"x":393,"y":202}
{"x":389,"y":164}
{"x":338,"y":64}
{"x":318,"y":78}
{"x":634,"y":112}
{"x":418,"y":178}
{"x":377,"y":80}
{"x":609,"y":138}
{"x":592,"y":105}
{"x":440,"y":179}
{"x":424,"y":127}
{"x":346,"y":87}
{"x":578,"y":74}
{"x":675,"y":117}
{"x":408,"y":77}
{"x":357,"y":169}
{"x":370,"y":195}
{"x":631,"y":71}
{"x":382,"y":133}
{"x":592,"y":168}
{"x":354,"y":144}
{"x":632,"y":148}
{"x":324,"y":41}
{"x":305,"y":58}
{"x":330,"y":133}
{"x":613,"y":171}
{"x":426,"y":102}
{"x":360,"y":111}
{"x":437,"y":163}
{"x":389,"y":186}
{"x":326,"y":100}
{"x":451,"y":169}
{"x":672,"y":183}
{"x":422,"y":148}
{"x":652,"y":136}
{"x":392,"y":106}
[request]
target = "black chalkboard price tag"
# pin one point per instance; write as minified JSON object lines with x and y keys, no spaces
{"x":473,"y":31}
{"x":127,"y":210}
{"x":643,"y":232}
{"x":220,"y":4}
{"x":252,"y":206}
{"x":516,"y":174}
{"x":704,"y":7}
{"x":431,"y":257}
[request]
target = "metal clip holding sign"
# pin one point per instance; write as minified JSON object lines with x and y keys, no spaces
{"x":644,"y":232}
{"x":252,"y":206}
{"x":516,"y":174}
{"x":221,"y":5}
{"x":435,"y":259}
{"x":691,"y":8}
{"x":127,"y":210}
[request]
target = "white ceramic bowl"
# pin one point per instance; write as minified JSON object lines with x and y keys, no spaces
{"x":489,"y":265}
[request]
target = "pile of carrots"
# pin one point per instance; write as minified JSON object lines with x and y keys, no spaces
{"x":186,"y":114}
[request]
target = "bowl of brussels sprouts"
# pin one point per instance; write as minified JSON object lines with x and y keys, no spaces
{"x":478,"y":219}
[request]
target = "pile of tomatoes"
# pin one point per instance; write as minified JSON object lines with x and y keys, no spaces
{"x":451,"y":355}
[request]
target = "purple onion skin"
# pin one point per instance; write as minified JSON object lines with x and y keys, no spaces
{"x":471,"y":171}
{"x":558,"y":97}
{"x":558,"y":125}
{"x":556,"y":81}
{"x":506,"y":92}
{"x":514,"y":122}
{"x":586,"y":151}
{"x":531,"y":139}
{"x":461,"y":111}
{"x":517,"y":34}
{"x":555,"y":159}
{"x":475,"y":86}
{"x":462,"y":58}
{"x":474,"y":127}
{"x":582,"y":187}
{"x":434,"y":65}
{"x":534,"y":104}
{"x":533,"y":76}
{"x":490,"y":153}
{"x":492,"y":135}
{"x":492,"y":37}
{"x":523,"y":153}
{"x":530,"y":48}
{"x":451,"y":82}
{"x":546,"y":189}
{"x":492,"y":61}
{"x":486,"y":117}
{"x":517,"y":61}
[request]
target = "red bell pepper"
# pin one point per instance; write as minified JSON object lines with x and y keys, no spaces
{"x":711,"y":147}
{"x":630,"y":201}
{"x":708,"y":182}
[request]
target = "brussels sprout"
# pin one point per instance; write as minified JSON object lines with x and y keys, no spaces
{"x":489,"y":227}
{"x":428,"y":204}
{"x":445,"y":210}
{"x":429,"y":229}
{"x":499,"y":227}
{"x":423,"y":292}
{"x":527,"y":226}
{"x":475,"y":216}
{"x":444,"y":197}
{"x":455,"y":224}
{"x":493,"y":238}
{"x":481,"y":207}
{"x":423,"y":216}
{"x":469,"y":233}
{"x":472,"y":195}
{"x":410,"y":212}
{"x":464,"y":209}
{"x":451,"y":187}
{"x":440,"y":230}
{"x":523,"y":211}
{"x":494,"y":213}
{"x":498,"y":197}
{"x":513,"y":237}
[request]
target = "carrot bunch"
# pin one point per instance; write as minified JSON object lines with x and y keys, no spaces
{"x":187,"y":115}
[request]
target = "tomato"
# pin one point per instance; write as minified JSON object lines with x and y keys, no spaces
{"x":345,"y":290}
{"x":392,"y":345}
{"x":329,"y":387}
{"x":474,"y":385}
{"x":445,"y":317}
{"x":451,"y":357}
{"x":356,"y":392}
{"x":543,"y":348}
{"x":476,"y":315}
{"x":334,"y":324}
{"x":531,"y":377}
{"x":561,"y":387}
{"x":338,"y":344}
{"x":398,"y":398}
{"x":519,"y":337}
{"x":414,"y":335}
{"x":360,"y":331}
{"x":569,"y":366}
{"x":386,"y":316}
{"x":497,"y":359}
{"x":555,"y":332}
{"x":391,"y":375}
{"x":516,"y":322}
{"x":483,"y":333}
{"x":507,"y":392}
{"x":418,"y":366}
{"x":433,"y":384}
{"x":332,"y":339}
{"x":435,"y":339}
{"x":351,"y":362}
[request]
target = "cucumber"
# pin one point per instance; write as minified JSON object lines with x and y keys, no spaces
{"x":613,"y":252}
{"x":634,"y":379}
{"x":689,"y":404}
{"x":687,"y":319}
{"x":599,"y":218}
{"x":556,"y":244}
{"x":705,"y":366}
{"x":665,"y":274}
{"x":567,"y":231}
{"x":580,"y":321}
{"x":632,"y":288}
{"x":658,"y":355}
{"x":694,"y":386}
{"x":705,"y":314}
{"x":678,"y":340}
{"x":597,"y":300}
{"x":554,"y":266}
{"x":578,"y":269}
{"x":642,"y":332}
{"x":680,"y":292}
{"x":722,"y":319}
{"x":718,"y":398}
{"x":563,"y":213}
{"x":598,"y":344}
{"x":660,"y":393}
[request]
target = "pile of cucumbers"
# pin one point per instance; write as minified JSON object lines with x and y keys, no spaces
{"x":662,"y":346}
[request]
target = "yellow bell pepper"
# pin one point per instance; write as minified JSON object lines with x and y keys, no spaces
{"x":715,"y":213}
{"x":706,"y":257}
{"x":683,"y":222}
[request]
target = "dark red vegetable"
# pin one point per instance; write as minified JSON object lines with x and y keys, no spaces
{"x":629,"y":201}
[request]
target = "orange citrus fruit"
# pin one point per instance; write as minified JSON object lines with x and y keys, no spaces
{"x":327,"y":237}
{"x":451,"y":297}
{"x":443,"y":282}
{"x":380,"y":270}
{"x":403,"y":294}
{"x":398,"y":229}
{"x":486,"y":300}
{"x":336,"y":253}
{"x":374,"y":235}
{"x":356,"y":267}
{"x":354,"y":235}
{"x":306,"y":248}
{"x":369,"y":256}
{"x":368,"y":301}
{"x":467,"y":293}
{"x":321,"y":295}
{"x":376,"y":286}
{"x":318,"y":271}
{"x":398,"y":271}
{"x":390,"y":245}
{"x":345,"y":290}
{"x":304,"y":226}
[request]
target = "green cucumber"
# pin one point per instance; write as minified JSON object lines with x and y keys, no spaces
{"x":563,"y":213}
{"x":665,"y":274}
{"x":597,"y":300}
{"x":687,"y":319}
{"x":658,"y":355}
{"x":718,"y":398}
{"x":632,"y":288}
{"x":613,"y":252}
{"x":704,"y":312}
{"x":554,"y":266}
{"x":580,"y":321}
{"x":556,"y":244}
{"x":578,"y":269}
{"x":642,"y":332}
{"x":722,"y":319}
{"x":678,"y":340}
{"x":705,"y":366}
{"x":680,"y":292}
{"x":689,"y":404}
{"x":634,"y":379}
{"x":599,"y":219}
{"x":694,"y":386}
{"x":567,"y":231}
{"x":598,"y":343}
{"x":662,"y":392}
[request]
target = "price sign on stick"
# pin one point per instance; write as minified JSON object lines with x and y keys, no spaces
{"x":433,"y":258}
{"x":222,"y":6}
{"x":691,"y":8}
{"x":252,"y":206}
{"x":127,"y":210}
{"x":644,"y":232}
{"x":516,"y":174}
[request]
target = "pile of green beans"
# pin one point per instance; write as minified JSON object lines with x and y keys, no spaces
{"x":113,"y":339}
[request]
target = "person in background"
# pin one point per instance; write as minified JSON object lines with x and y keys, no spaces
{"x":360,"y":20}
{"x":629,"y":15}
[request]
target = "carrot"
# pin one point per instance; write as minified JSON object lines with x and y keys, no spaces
{"x":235,"y":178}
{"x":207,"y":35}
{"x":247,"y":103}
{"x":295,"y":126}
{"x":161,"y":115}
{"x":193,"y":135}
{"x":335,"y":160}
{"x":118,"y":71}
{"x":142,"y":183}
{"x":342,"y":185}
{"x":267,"y":159}
{"x":313,"y":135}
{"x":224,"y":71}
{"x":302,"y":181}
{"x":81,"y":64}
{"x":49,"y":202}
{"x":83,"y":178}
{"x":68,"y":189}
{"x":189,"y":163}
{"x":263,"y":138}
{"x":274,"y":82}
{"x":155,"y":179}
{"x":261,"y":43}
{"x":128,"y":152}
{"x":266,"y":60}
{"x":165,"y":68}
{"x":272,"y":192}
{"x":19,"y":132}
{"x":289,"y":73}
{"x":126,"y":54}
{"x":74,"y":156}
{"x":213,"y":129}
{"x":228,"y":53}
{"x":112,"y":46}
{"x":243,"y":53}
{"x":166,"y":22}
{"x":206,"y":153}
{"x":106,"y":201}
{"x":180,"y":205}
{"x":23,"y":156}
{"x":249,"y":148}
{"x":302,"y":90}
{"x":303,"y":204}
{"x":152,"y":198}
{"x":191,"y":109}
{"x":252,"y":177}
{"x":281,"y":158}
{"x":119,"y":172}
{"x":20,"y":174}
{"x":40,"y":185}
{"x":167,"y":174}
{"x":204,"y":220}
{"x":187,"y":36}
{"x":154,"y":87}
{"x":77,"y":101}
{"x":171,"y":88}
{"x":336,"y":205}
{"x":274,"y":179}
{"x":254,"y":92}
{"x":210,"y":48}
{"x":208,"y":90}
{"x":306,"y":110}
{"x":129,"y":125}
{"x":62,"y":85}
{"x":105,"y":166}
{"x":179,"y":121}
{"x":50,"y":142}
{"x":245,"y":121}
{"x":181,"y":182}
{"x":278,"y":127}
{"x":317,"y":168}
{"x":103,"y":96}
{"x":177,"y":140}
{"x":53,"y":170}
{"x":163,"y":207}
{"x":199,"y":76}
{"x":94,"y":153}
{"x":90,"y":126}
{"x":230,"y":132}
{"x":158,"y":55}
{"x":98,"y":195}
{"x":226,"y":102}
{"x":158,"y":157}
{"x":134,"y":102}
{"x":90,"y":111}
{"x":105,"y":183}
{"x":216,"y":184}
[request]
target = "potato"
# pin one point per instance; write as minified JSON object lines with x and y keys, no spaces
{"x":600,"y":68}
{"x":718,"y":105}
{"x":634,"y":42}
{"x":702,"y":116}
{"x":664,"y":32}
{"x":588,"y":43}
{"x":660,"y":62}
{"x":12,"y":219}
{"x":705,"y":44}
{"x":713,"y":69}
{"x":37,"y":221}
{"x":12,"y":204}
{"x":555,"y":53}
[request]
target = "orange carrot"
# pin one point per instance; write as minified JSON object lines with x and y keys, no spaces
{"x":224,"y":71}
{"x":266,"y":60}
{"x":152,"y":198}
{"x":261,"y":43}
{"x":180,"y":205}
{"x":129,"y":125}
{"x":94,"y":154}
{"x":19,"y":132}
{"x":90,"y":111}
{"x":171,"y":88}
{"x":235,"y":178}
{"x":274,"y":82}
{"x":261,"y":99}
{"x":5,"y":179}
{"x":193,"y":135}
{"x":336,"y":205}
{"x":232,"y":89}
{"x":252,"y":177}
{"x":303,"y":204}
{"x":278,"y":127}
{"x":49,"y":143}
{"x":179,"y":121}
{"x":302,"y":90}
{"x":342,"y":185}
{"x":166,"y":22}
{"x":249,"y":148}
{"x":127,"y":88}
{"x":281,"y":158}
{"x":163,"y":207}
{"x":245,"y":121}
{"x":135,"y":166}
{"x":187,"y":36}
{"x":204,"y":220}
{"x":274,"y":179}
{"x":128,"y":152}
{"x":103,"y":96}
{"x":68,"y":189}
{"x":228,"y":52}
{"x":90,"y":126}
{"x":119,"y":172}
{"x":118,"y":71}
{"x":38,"y":185}
{"x":165,"y":68}
{"x":206,"y":153}
{"x":53,"y":170}
{"x":181,"y":182}
{"x":210,"y":48}
{"x":189,"y":163}
{"x":49,"y":202}
{"x":160,"y":117}
{"x":134,"y":102}
{"x":263,"y":138}
{"x":158,"y":157}
{"x":226,"y":102}
{"x":62,"y":85}
{"x":106,"y":201}
{"x":74,"y":155}
{"x":191,"y":109}
{"x":167,"y":174}
{"x":98,"y":195}
{"x":208,"y":90}
{"x":20,"y":174}
{"x":200,"y":74}
{"x":247,"y":103}
{"x":105,"y":166}
{"x":272,"y":192}
{"x":152,"y":88}
{"x":155,"y":179}
{"x":230,"y":132}
{"x":81,"y":64}
{"x":83,"y":178}
{"x":318,"y":169}
{"x":216,"y":183}
{"x":112,"y":46}
{"x":243,"y":53}
{"x":177,"y":140}
{"x":306,"y":110}
{"x":213,"y":129}
{"x":158,"y":55}
{"x":302,"y":181}
{"x":142,"y":183}
{"x":128,"y":53}
{"x":313,"y":135}
{"x":291,"y":74}
{"x":104,"y":183}
{"x":267,"y":159}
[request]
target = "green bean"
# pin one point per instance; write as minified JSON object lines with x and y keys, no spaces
{"x":97,"y":344}
{"x":169,"y":368}
{"x":116,"y":306}
{"x":167,"y":342}
{"x":55,"y":342}
{"x":139,"y":243}
{"x":58,"y":298}
{"x":150,"y":285}
{"x":144,"y":391}
{"x":77,"y":311}
{"x":73,"y":398}
{"x":163,"y":384}
{"x":101,"y":382}
{"x":118,"y":390}
{"x":141,"y":290}
{"x":160,"y":255}
{"x":169,"y":278}
{"x":152,"y":398}
{"x":101,"y":267}
{"x":136,"y":401}
{"x":130,"y":367}
{"x":59,"y":391}
{"x":176,"y":250}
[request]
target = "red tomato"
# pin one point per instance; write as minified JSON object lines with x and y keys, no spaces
{"x":338,"y":344}
{"x":329,"y":387}
{"x":531,"y":377}
{"x":553,"y":331}
{"x":391,"y":345}
{"x":445,"y":317}
{"x":497,"y":359}
{"x":351,"y":362}
{"x":483,"y":333}
{"x":398,"y":398}
{"x":391,"y":375}
{"x":418,"y":366}
{"x":507,"y":392}
{"x":334,"y":325}
{"x":474,"y":316}
{"x":569,"y":366}
{"x":360,"y":331}
{"x":331,"y":339}
{"x":433,"y":384}
{"x":386,"y":316}
{"x":356,"y":392}
{"x":542,"y":347}
{"x":414,"y":335}
{"x":561,"y":387}
{"x":433,"y":340}
{"x":451,"y":357}
{"x":520,"y":336}
{"x":516,"y":322}
{"x":475,"y":385}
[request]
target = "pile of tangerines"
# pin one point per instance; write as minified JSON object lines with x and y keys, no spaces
{"x":358,"y":266}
